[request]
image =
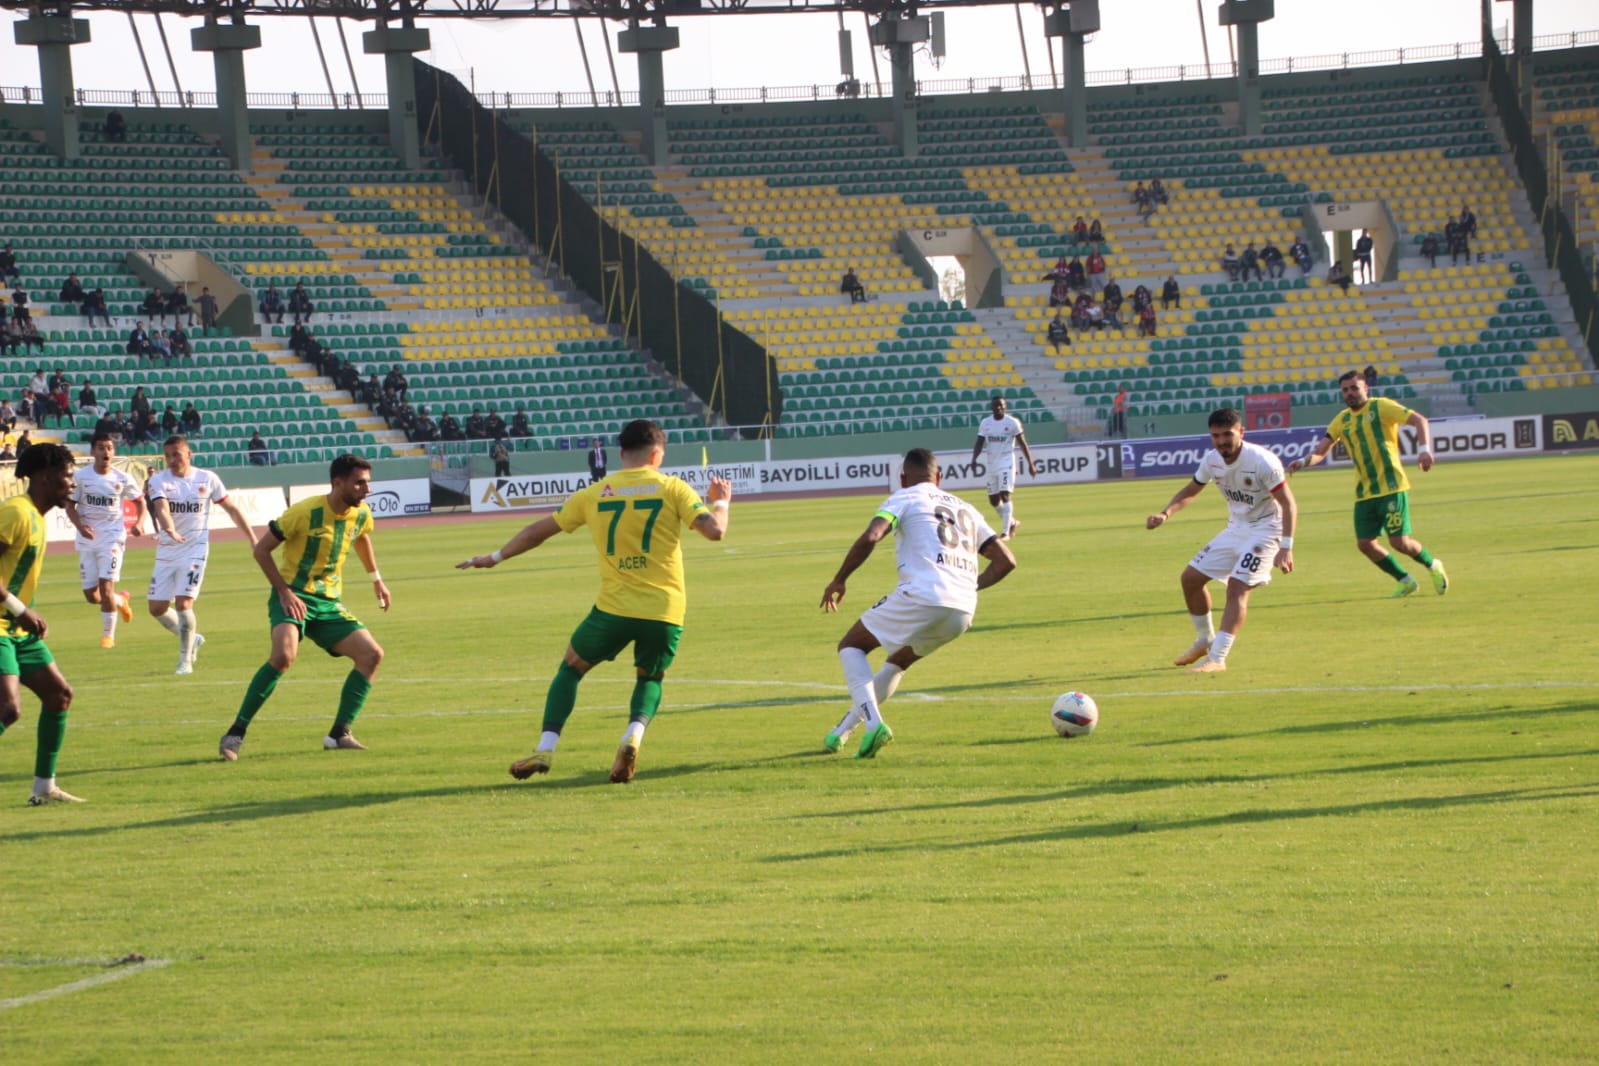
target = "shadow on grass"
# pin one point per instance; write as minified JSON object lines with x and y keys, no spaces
{"x":1089,"y":831}
{"x":1504,"y":715}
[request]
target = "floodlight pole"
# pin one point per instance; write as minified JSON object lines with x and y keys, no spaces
{"x":900,"y":35}
{"x":1246,"y":16}
{"x":396,"y":44}
{"x":649,"y":43}
{"x":227,"y":45}
{"x":54,"y":37}
{"x":1072,"y":23}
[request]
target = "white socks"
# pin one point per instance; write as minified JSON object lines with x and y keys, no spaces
{"x":108,"y":623}
{"x":884,"y":684}
{"x":187,"y":627}
{"x":1004,"y":511}
{"x":886,"y":681}
{"x":1221,"y":646}
{"x":1203,"y":630}
{"x":634,"y":735}
{"x":548,"y":740}
{"x":169,"y":622}
{"x":862,"y":690}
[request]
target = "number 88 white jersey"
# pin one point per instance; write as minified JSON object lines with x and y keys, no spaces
{"x":936,"y":539}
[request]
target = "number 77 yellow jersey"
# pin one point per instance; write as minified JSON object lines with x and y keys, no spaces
{"x":937,"y":537}
{"x":636,"y":518}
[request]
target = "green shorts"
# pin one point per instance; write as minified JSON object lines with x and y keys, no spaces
{"x":602,"y":636}
{"x":1383,"y":516}
{"x":23,"y":655}
{"x":326,"y":621}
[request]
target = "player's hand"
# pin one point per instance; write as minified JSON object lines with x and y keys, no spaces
{"x":86,"y":532}
{"x":1155,"y":521}
{"x":178,"y":537}
{"x":292,"y":604}
{"x":29,"y":622}
{"x":382,"y":590}
{"x":478,"y":562}
{"x":721,"y":489}
{"x":1425,"y":460}
{"x":1285,"y":560}
{"x":832,"y":596}
{"x":136,"y":531}
{"x":1295,"y":466}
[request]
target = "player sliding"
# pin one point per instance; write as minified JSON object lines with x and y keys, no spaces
{"x":1002,"y":435}
{"x":937,"y":539}
{"x":635,"y":516}
{"x":1260,"y":530}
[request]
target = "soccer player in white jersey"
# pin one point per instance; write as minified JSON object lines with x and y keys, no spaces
{"x":95,"y":510}
{"x":937,"y":539}
{"x":1001,"y":435}
{"x":181,"y":498}
{"x":1260,"y":531}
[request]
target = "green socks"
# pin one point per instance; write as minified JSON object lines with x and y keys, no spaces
{"x":561,"y":698}
{"x":351,"y":699}
{"x":1424,"y":557}
{"x":646,"y":700}
{"x":52,"y":734}
{"x":1392,"y":569}
{"x":258,"y":692}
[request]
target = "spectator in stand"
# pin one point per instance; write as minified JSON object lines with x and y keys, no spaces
{"x":1096,"y":270}
{"x":94,"y":304}
{"x":180,"y":344}
{"x":396,"y":381}
{"x":299,"y":339}
{"x":1113,"y":291}
{"x":1338,"y":276}
{"x":19,"y":305}
{"x":1363,"y":247}
{"x":1144,"y":202}
{"x":1459,"y":242}
{"x":1076,"y":275}
{"x":1468,"y":222}
{"x":1118,"y":413}
{"x":39,"y":392}
{"x":1112,"y":310}
{"x":1096,"y":233}
{"x":1060,"y":271}
{"x":1272,"y":257}
{"x":1094,"y":314}
{"x":115,"y":128}
{"x":1370,"y":375}
{"x":1429,"y":248}
{"x":71,"y":290}
{"x":1079,"y":317}
{"x":494,"y":425}
{"x":500,"y":452}
{"x":8,"y":417}
{"x":852,"y":285}
{"x":161,"y":348}
{"x":146,"y":428}
{"x":189,"y":422}
{"x":24,"y":442}
{"x":1060,"y":294}
{"x":8,"y":264}
{"x":1157,"y":191}
{"x":139,"y":406}
{"x":476,"y":427}
{"x":449,"y":428}
{"x":1171,"y":293}
{"x":259,"y":453}
{"x":1058,"y":333}
{"x":1229,"y":263}
{"x":139,"y":341}
{"x":424,"y":428}
{"x":1142,"y":298}
{"x":61,"y":403}
{"x":597,"y":460}
{"x":371,"y":391}
{"x":519,"y":426}
{"x":1249,"y":261}
{"x":169,"y":421}
{"x":177,"y":305}
{"x":25,"y":403}
{"x":153,"y":304}
{"x":300,"y":305}
{"x":8,"y":454}
{"x":272,"y":305}
{"x":87,"y":402}
{"x":348,"y":378}
{"x":208,"y":309}
{"x":30,"y":336}
{"x":1146,"y":321}
{"x":1299,"y":252}
{"x":10,"y":337}
{"x":109,"y":424}
{"x":1080,"y":231}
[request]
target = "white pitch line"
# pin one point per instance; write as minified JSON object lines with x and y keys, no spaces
{"x":88,"y":982}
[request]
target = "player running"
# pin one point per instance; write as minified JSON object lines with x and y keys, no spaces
{"x":1260,"y":532}
{"x":95,"y":511}
{"x":181,"y":498}
{"x":1002,"y":435}
{"x":937,"y":539}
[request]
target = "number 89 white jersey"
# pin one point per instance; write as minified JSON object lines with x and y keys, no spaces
{"x":936,"y":538}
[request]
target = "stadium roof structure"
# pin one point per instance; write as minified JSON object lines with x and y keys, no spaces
{"x":408,"y":11}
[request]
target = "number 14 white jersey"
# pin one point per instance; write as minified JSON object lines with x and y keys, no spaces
{"x":936,"y":538}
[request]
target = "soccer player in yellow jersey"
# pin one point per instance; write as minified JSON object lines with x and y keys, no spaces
{"x":24,"y":657}
{"x":317,"y":534}
{"x":1369,"y":430}
{"x":635,"y":517}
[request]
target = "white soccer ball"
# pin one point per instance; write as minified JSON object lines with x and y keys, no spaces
{"x":1075,"y":714}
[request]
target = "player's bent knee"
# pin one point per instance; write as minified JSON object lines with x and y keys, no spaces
{"x":158,"y":608}
{"x":59,"y":701}
{"x":9,"y":716}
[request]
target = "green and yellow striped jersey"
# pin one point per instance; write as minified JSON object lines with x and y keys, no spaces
{"x":22,"y":531}
{"x":316,"y":542}
{"x":1371,"y":436}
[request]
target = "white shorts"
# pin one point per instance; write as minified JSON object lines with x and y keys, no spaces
{"x":100,"y":560}
{"x":179,"y":571}
{"x":1242,"y":553}
{"x":897,"y":621}
{"x":1002,"y":478}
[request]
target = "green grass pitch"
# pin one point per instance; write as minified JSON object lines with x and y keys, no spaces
{"x":1371,"y":840}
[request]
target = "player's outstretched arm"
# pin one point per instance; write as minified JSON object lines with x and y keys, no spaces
{"x":712,"y":524}
{"x":1027,"y":454}
{"x":1290,"y":511}
{"x":1317,"y":454}
{"x":858,"y":553}
{"x":1418,"y":422}
{"x":526,"y":539}
{"x":1178,"y":502}
{"x":231,"y":509}
{"x":369,"y":559}
{"x":139,"y":516}
{"x":1001,"y":561}
{"x":262,"y":551}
